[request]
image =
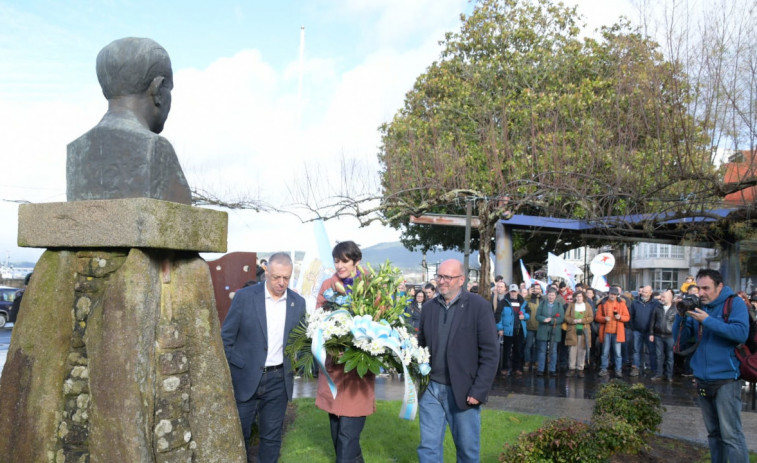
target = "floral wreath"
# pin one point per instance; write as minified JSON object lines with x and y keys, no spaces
{"x":363,"y":326}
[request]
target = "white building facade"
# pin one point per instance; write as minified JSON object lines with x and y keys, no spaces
{"x":660,"y":265}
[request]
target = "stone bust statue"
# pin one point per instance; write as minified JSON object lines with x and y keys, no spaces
{"x":123,"y":156}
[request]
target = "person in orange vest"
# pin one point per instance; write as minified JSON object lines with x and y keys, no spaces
{"x":612,"y":315}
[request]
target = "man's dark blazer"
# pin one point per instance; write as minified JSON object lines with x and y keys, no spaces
{"x":245,"y":338}
{"x":472,"y":347}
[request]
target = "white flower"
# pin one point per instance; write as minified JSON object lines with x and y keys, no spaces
{"x":375,"y":348}
{"x":315,"y":321}
{"x":402,"y":332}
{"x":362,"y":344}
{"x":422,"y":355}
{"x":337,"y":325}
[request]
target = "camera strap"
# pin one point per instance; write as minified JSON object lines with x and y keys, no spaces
{"x":688,"y":350}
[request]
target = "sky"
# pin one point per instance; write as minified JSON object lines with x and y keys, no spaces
{"x":249,"y":117}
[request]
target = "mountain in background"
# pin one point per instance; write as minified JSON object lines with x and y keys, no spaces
{"x":24,"y":264}
{"x":410,"y":261}
{"x":399,"y":256}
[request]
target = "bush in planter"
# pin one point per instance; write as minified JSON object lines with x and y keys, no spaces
{"x":623,"y":415}
{"x":560,"y":440}
{"x":615,"y":435}
{"x":639,"y":406}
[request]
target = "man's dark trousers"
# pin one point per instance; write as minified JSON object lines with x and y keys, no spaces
{"x":268,"y":403}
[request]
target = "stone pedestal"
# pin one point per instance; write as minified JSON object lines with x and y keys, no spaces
{"x":116,"y":354}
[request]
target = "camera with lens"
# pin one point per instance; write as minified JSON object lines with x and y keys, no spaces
{"x":687,"y":303}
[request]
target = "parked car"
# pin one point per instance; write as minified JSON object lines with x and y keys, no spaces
{"x":7,"y":294}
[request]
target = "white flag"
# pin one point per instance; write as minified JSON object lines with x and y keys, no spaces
{"x":526,"y":276}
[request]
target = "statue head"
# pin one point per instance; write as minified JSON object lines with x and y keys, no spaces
{"x":138,"y":68}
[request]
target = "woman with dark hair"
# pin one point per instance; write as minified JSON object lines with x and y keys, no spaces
{"x":414,"y":310}
{"x":355,"y":398}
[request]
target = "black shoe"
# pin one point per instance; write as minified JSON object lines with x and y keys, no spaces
{"x":552,"y":374}
{"x":539,"y":373}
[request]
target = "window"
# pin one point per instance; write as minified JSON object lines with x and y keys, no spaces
{"x":651,"y":251}
{"x":658,"y":251}
{"x":677,"y":252}
{"x":663,"y":251}
{"x":665,"y":278}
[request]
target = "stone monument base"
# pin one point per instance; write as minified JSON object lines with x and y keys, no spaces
{"x":116,"y":356}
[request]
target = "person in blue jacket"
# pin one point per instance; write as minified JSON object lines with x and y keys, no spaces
{"x":715,"y":365}
{"x":512,"y":327}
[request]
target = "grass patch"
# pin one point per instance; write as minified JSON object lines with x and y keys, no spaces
{"x":386,"y":438}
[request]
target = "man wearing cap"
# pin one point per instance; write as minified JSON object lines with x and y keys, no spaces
{"x":612,"y":315}
{"x":511,"y":325}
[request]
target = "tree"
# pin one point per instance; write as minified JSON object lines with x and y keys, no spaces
{"x":522,"y":115}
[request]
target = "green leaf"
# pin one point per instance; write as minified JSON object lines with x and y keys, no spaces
{"x":362,"y":369}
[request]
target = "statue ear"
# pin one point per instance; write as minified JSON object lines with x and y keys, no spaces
{"x":154,"y":89}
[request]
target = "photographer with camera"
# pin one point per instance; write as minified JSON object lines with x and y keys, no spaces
{"x":714,"y":362}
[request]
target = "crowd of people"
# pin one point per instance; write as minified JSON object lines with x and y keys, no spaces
{"x":512,"y":331}
{"x":614,"y":333}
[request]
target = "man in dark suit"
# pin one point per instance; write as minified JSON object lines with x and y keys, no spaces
{"x":458,"y":328}
{"x":255,"y":333}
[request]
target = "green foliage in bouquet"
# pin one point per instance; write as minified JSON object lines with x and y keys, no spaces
{"x":372,"y":297}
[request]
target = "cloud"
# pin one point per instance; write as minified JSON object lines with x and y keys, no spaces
{"x":398,"y":23}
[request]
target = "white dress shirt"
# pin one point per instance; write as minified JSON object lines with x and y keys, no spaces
{"x":275,"y":315}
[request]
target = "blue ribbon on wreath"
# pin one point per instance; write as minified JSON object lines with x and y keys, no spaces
{"x":365,"y":329}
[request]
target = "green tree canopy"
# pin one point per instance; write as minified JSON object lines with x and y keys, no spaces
{"x":523,"y":115}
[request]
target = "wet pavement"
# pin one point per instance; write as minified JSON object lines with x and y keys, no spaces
{"x":573,"y":397}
